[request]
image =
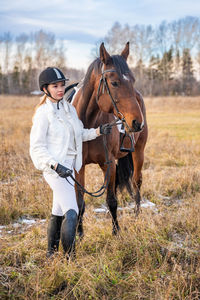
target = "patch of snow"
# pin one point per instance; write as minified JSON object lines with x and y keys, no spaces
{"x":164,"y":197}
{"x":147,"y":204}
{"x":20,"y":226}
{"x":28,"y":221}
{"x":42,"y":220}
{"x":2,"y":227}
{"x":144,"y":203}
{"x":16,"y":225}
{"x":102,"y":210}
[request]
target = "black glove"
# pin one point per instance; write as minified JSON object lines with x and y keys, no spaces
{"x":105,"y":128}
{"x":63,"y":171}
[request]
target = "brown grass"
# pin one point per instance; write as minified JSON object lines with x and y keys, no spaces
{"x":156,"y":256}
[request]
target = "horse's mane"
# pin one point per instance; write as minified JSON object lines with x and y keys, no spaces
{"x":120,"y":66}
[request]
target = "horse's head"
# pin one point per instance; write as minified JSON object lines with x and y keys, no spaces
{"x":115,"y":91}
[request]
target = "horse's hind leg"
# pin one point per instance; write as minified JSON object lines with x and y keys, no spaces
{"x":112,"y":204}
{"x":111,"y":197}
{"x":80,"y":201}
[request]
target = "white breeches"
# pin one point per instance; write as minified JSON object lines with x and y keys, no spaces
{"x":64,"y":196}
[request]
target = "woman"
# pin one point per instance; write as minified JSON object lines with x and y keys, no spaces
{"x":56,"y":141}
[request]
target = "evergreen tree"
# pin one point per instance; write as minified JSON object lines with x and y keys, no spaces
{"x":15,"y":79}
{"x":187,"y":72}
{"x":165,"y":70}
{"x":165,"y":66}
{"x":152,"y":73}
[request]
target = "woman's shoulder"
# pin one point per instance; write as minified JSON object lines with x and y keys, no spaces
{"x":70,"y":107}
{"x":41,"y":112}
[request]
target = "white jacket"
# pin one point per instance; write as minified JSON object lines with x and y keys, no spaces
{"x":49,"y":137}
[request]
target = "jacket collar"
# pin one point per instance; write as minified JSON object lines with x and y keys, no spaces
{"x":50,"y":106}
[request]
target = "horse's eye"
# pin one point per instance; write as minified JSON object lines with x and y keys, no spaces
{"x":114,"y":83}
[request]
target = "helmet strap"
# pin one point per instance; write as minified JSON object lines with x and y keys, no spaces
{"x":49,"y":95}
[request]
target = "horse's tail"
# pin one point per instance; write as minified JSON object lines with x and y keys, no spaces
{"x":124,"y":173}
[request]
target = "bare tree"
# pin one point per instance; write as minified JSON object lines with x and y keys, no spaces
{"x":44,"y":46}
{"x":184,"y":33}
{"x":6,"y":58}
{"x":21,"y":44}
{"x":143,"y":42}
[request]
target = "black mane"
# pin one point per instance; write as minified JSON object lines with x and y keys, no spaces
{"x":120,"y":65}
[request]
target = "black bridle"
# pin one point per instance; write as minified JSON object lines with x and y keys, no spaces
{"x":120,"y":117}
{"x":120,"y":120}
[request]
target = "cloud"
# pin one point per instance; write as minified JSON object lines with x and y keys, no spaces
{"x":84,"y":22}
{"x":90,"y":18}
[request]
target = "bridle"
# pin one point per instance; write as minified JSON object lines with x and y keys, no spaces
{"x":103,"y":82}
{"x":119,"y":120}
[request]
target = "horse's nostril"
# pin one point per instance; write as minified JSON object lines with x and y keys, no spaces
{"x":134,"y":122}
{"x":136,"y":125}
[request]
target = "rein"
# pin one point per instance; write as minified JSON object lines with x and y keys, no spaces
{"x":118,"y":121}
{"x":102,"y":189}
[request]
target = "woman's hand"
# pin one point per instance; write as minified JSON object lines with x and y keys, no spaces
{"x":105,"y":128}
{"x":63,"y":171}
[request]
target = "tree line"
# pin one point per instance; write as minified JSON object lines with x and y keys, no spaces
{"x":165,"y":59}
{"x":24,"y":57}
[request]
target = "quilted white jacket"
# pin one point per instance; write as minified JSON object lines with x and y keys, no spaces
{"x":49,"y":137}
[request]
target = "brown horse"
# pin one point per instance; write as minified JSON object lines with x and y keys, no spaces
{"x":108,"y":93}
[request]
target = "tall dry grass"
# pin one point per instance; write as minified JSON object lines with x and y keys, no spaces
{"x":155,"y":256}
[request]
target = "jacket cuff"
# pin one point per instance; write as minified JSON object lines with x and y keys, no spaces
{"x":51,"y":163}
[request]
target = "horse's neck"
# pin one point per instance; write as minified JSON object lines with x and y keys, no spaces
{"x":92,"y":110}
{"x":87,"y":107}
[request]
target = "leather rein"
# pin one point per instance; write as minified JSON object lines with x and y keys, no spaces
{"x":120,"y":120}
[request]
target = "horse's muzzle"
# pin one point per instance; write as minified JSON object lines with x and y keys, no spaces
{"x":137,"y":126}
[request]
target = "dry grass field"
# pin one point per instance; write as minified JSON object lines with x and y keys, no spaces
{"x":155,"y":256}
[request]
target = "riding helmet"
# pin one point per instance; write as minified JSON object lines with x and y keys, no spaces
{"x":50,"y":75}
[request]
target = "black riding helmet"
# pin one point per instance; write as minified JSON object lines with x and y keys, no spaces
{"x":50,"y":75}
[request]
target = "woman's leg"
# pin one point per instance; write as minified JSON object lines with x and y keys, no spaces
{"x":53,"y":234}
{"x":64,"y":203}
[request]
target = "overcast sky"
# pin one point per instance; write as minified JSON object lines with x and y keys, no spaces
{"x":83,"y":22}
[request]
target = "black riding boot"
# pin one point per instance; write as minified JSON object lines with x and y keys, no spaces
{"x":53,"y":234}
{"x":68,"y":232}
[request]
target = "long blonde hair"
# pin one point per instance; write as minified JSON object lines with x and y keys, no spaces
{"x":42,"y":101}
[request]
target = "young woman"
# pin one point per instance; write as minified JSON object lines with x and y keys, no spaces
{"x":56,"y":141}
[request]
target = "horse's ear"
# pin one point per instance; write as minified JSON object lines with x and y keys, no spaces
{"x":104,"y":55}
{"x":125,"y":52}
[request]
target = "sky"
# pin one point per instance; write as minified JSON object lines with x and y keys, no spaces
{"x":81,"y":23}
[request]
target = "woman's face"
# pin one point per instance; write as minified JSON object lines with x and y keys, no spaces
{"x":57,"y":90}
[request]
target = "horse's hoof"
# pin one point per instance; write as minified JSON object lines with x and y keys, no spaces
{"x":115,"y":230}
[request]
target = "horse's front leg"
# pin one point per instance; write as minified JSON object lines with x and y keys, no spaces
{"x":111,"y":198}
{"x":138,"y":159}
{"x":80,"y":200}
